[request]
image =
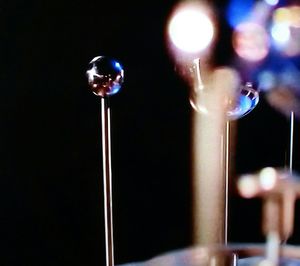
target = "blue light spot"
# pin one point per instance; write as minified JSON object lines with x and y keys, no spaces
{"x":238,"y":11}
{"x":117,"y":65}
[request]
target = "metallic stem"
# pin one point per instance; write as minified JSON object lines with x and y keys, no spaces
{"x":227,"y":145}
{"x":292,"y":118}
{"x":107,"y":182}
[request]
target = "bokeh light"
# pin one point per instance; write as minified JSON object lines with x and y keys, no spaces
{"x":251,"y":41}
{"x":266,"y":80}
{"x":289,"y":15}
{"x":281,"y":33}
{"x":191,"y":29}
{"x":248,"y":186}
{"x":292,"y":48}
{"x":295,"y":16}
{"x":285,"y":30}
{"x":268,"y":178}
{"x":272,"y":2}
{"x":239,"y":11}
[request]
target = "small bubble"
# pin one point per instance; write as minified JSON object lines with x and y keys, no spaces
{"x":105,"y":76}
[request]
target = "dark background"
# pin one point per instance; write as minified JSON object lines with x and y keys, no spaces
{"x":50,"y":140}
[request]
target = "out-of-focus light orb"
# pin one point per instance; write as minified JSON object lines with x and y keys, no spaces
{"x":293,"y":46}
{"x":286,"y":30}
{"x":272,"y":2}
{"x":251,"y":41}
{"x":295,"y":16}
{"x":266,"y":80}
{"x":281,"y":33}
{"x":268,"y":178}
{"x":239,"y":11}
{"x":191,"y":30}
{"x":248,"y":186}
{"x":289,"y":15}
{"x":281,"y":15}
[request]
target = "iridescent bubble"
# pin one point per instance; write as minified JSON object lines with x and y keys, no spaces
{"x":105,"y":76}
{"x":246,"y":100}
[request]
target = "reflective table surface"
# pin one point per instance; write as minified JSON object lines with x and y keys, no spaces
{"x":241,"y":255}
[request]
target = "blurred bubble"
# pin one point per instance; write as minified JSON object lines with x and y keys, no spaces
{"x":267,"y":178}
{"x":278,"y":72}
{"x":251,"y":41}
{"x":289,"y":15}
{"x":279,"y":78}
{"x":281,"y":33}
{"x":191,"y":29}
{"x":292,"y":48}
{"x":281,"y":15}
{"x":285,"y":30}
{"x":285,"y":100}
{"x":248,"y":186}
{"x":266,"y":80}
{"x":272,"y":2}
{"x":295,"y":16}
{"x":238,"y":11}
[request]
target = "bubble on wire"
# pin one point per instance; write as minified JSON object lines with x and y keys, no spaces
{"x":244,"y":101}
{"x":105,"y":76}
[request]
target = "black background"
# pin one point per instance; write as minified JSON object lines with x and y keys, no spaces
{"x":50,"y":140}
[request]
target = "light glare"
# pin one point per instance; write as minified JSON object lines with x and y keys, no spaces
{"x":281,"y":33}
{"x":272,"y":2}
{"x":191,"y":30}
{"x":267,"y":178}
{"x":248,"y":186}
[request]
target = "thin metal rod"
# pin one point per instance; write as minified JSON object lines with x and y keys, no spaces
{"x":107,"y":182}
{"x":227,"y":166}
{"x":292,"y":118}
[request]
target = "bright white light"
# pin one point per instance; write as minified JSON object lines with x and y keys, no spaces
{"x":191,"y":30}
{"x":281,"y":33}
{"x":272,"y":2}
{"x":248,"y":186}
{"x":267,"y":178}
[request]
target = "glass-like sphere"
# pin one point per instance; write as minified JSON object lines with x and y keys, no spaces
{"x":245,"y":100}
{"x":105,"y":76}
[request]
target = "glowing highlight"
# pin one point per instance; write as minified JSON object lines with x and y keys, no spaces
{"x":268,"y":178}
{"x":191,"y":30}
{"x":281,"y":33}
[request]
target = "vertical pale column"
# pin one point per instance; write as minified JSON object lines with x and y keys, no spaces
{"x":209,"y":183}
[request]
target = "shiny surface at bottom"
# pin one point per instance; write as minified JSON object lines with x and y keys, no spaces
{"x":202,"y":256}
